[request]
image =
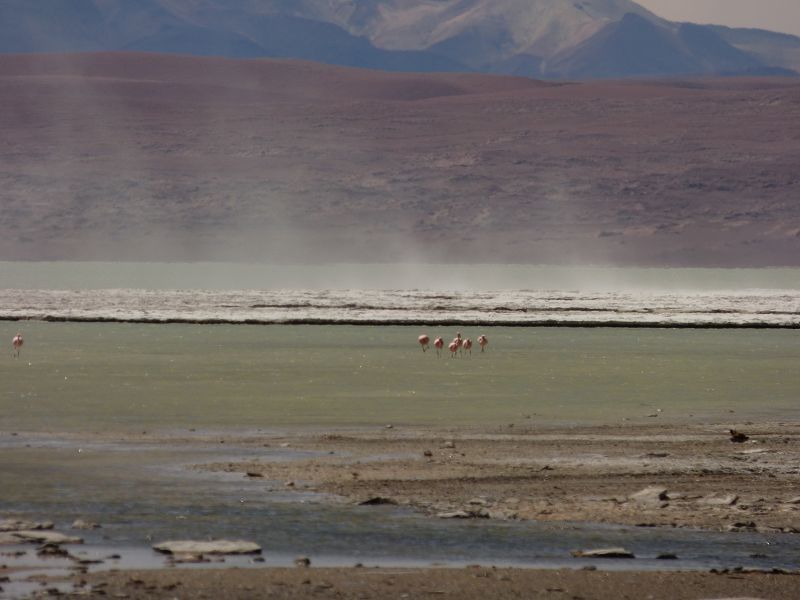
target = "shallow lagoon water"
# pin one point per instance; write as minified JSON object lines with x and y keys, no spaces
{"x":83,"y":376}
{"x":121,"y":377}
{"x":141,"y":496}
{"x":74,"y":379}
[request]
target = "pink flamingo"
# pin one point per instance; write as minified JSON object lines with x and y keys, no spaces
{"x":458,"y":341}
{"x":453,"y":347}
{"x":468,"y":345}
{"x":17,"y":343}
{"x":438,"y":343}
{"x":483,"y":342}
{"x":424,"y":341}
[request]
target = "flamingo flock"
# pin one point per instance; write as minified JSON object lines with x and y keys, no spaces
{"x":458,"y":346}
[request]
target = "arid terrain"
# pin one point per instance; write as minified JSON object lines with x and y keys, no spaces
{"x":692,"y":476}
{"x":648,"y":475}
{"x":155,"y":157}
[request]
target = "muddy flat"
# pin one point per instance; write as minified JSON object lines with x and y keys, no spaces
{"x":470,"y":583}
{"x":693,"y":476}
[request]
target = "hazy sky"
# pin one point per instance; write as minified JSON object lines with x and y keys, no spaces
{"x":778,"y":15}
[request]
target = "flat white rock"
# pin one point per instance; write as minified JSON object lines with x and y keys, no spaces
{"x":14,"y":525}
{"x":46,"y":537}
{"x":603,"y":553}
{"x":208,"y":547}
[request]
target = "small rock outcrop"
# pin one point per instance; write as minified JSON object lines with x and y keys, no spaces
{"x":603,"y":553}
{"x":207,"y":547}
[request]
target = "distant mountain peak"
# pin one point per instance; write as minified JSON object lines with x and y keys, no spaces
{"x":539,"y":38}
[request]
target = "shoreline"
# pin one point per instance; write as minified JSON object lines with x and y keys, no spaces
{"x":552,"y":474}
{"x":579,"y":474}
{"x":547,"y":323}
{"x":470,"y":583}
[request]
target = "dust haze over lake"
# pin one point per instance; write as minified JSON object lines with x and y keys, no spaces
{"x":155,"y":157}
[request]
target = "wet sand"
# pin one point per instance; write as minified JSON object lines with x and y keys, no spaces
{"x":467,"y":584}
{"x":576,"y":474}
{"x":702,"y":480}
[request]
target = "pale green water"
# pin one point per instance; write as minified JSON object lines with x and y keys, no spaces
{"x":239,"y":276}
{"x":119,"y":376}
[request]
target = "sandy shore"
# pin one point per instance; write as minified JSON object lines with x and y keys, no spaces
{"x":694,"y":476}
{"x":697,"y":476}
{"x":469,"y":583}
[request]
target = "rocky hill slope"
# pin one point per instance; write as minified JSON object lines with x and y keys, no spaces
{"x":142,"y":156}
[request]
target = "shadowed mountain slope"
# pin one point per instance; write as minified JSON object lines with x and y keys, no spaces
{"x":158,"y":157}
{"x":538,"y":38}
{"x":635,"y":46}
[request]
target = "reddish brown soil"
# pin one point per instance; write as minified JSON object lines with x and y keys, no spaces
{"x":140,"y":156}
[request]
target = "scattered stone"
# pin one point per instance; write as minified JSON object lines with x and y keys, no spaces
{"x":455,"y":514}
{"x":478,"y":502}
{"x":14,"y":525}
{"x":738,"y":437}
{"x":757,"y":451}
{"x":208,"y":547}
{"x":188,"y":558}
{"x":603,"y":553}
{"x":45,"y":537}
{"x":7,"y":539}
{"x":81,"y":524}
{"x":389,"y":427}
{"x":259,"y":559}
{"x":285,"y":445}
{"x":254,"y":474}
{"x":502,"y":515}
{"x":302,"y":561}
{"x":795,"y":500}
{"x":427,"y":453}
{"x":449,"y":444}
{"x":680,"y":496}
{"x":49,"y":550}
{"x":652,"y":496}
{"x":747,"y":526}
{"x":377,"y":501}
{"x":588,"y":568}
{"x":667,"y":556}
{"x":719,"y":499}
{"x":655,"y":455}
{"x":289,"y":484}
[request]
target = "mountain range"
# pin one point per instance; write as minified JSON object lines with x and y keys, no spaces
{"x":552,"y":39}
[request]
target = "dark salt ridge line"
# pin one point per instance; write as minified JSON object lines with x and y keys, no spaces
{"x":408,"y":322}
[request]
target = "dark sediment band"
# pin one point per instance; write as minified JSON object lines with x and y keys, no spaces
{"x":410,"y":322}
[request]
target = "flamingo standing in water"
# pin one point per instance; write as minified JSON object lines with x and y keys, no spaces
{"x":453,"y":347}
{"x":424,"y":341}
{"x":468,"y":345}
{"x":483,"y":342}
{"x":17,"y":343}
{"x":458,"y":341}
{"x":438,"y":343}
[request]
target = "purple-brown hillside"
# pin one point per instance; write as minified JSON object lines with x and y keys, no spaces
{"x":145,"y":156}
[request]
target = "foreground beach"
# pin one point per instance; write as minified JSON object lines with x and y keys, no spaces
{"x":655,"y":477}
{"x":637,"y":474}
{"x":470,"y":583}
